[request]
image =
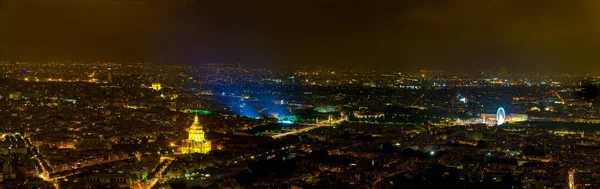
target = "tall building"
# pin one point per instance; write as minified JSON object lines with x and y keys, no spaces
{"x":110,"y":75}
{"x":196,"y":143}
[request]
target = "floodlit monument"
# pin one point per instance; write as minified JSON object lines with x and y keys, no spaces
{"x":196,"y":143}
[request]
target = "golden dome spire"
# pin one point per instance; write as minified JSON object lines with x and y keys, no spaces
{"x":196,"y":125}
{"x":196,"y":143}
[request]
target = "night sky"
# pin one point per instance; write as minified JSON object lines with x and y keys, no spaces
{"x":520,"y":35}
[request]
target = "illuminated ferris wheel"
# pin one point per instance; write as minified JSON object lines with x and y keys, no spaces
{"x":500,"y":116}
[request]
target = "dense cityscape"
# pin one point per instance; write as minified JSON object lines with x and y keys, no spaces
{"x":299,"y":94}
{"x":141,"y":125}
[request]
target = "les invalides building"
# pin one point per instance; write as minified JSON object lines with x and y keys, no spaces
{"x":196,"y":143}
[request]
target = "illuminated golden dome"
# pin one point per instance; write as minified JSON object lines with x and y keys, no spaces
{"x":196,"y":125}
{"x":196,"y":133}
{"x":196,"y":143}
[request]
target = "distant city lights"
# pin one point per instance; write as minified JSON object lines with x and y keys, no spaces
{"x":500,"y":116}
{"x":286,"y":122}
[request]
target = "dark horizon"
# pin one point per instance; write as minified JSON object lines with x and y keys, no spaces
{"x":544,"y":36}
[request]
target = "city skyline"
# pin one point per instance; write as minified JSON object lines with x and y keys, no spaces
{"x":299,"y":94}
{"x":140,"y":125}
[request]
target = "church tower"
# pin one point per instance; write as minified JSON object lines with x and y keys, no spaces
{"x":196,"y":143}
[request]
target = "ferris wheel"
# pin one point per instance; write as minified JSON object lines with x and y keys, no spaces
{"x":500,"y":116}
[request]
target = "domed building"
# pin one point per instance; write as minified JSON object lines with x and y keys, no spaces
{"x":196,"y":143}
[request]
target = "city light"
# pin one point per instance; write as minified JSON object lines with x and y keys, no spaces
{"x":286,"y":122}
{"x":500,"y":116}
{"x":147,"y":94}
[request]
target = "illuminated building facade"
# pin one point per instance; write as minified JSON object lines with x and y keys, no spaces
{"x":196,"y":143}
{"x":156,"y":86}
{"x":15,"y":96}
{"x":501,"y":117}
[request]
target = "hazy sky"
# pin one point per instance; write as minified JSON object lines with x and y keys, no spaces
{"x":400,"y":34}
